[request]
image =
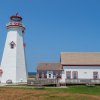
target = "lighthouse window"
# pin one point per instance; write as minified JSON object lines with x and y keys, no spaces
{"x":12,"y":45}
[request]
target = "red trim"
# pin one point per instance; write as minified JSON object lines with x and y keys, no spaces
{"x":19,"y":17}
{"x":1,"y":72}
{"x":80,"y":64}
{"x":15,"y":25}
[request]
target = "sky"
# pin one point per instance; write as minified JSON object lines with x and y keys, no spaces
{"x":52,"y":27}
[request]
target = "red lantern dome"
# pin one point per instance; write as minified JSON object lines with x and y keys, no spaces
{"x":16,"y":18}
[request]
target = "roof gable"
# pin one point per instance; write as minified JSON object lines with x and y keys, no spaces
{"x":80,"y":58}
{"x":49,"y":66}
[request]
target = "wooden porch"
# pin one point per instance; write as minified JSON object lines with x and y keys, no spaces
{"x":42,"y":82}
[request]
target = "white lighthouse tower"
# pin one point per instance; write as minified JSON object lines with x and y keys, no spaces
{"x":13,"y":66}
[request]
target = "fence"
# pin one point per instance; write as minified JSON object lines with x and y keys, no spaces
{"x":42,"y":82}
{"x":82,"y":81}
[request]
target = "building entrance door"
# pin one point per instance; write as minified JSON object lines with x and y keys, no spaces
{"x":50,"y":74}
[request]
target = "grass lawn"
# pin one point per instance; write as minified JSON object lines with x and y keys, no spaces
{"x":69,"y":93}
{"x":82,"y":89}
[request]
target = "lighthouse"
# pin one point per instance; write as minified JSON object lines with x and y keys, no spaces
{"x":13,"y":64}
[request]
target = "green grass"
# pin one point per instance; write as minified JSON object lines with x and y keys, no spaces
{"x":67,"y":98}
{"x":78,"y":89}
{"x":77,"y":92}
{"x":82,"y":89}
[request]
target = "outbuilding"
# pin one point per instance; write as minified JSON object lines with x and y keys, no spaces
{"x":80,"y":67}
{"x":74,"y":68}
{"x":49,"y":70}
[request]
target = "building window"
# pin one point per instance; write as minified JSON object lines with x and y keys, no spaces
{"x":45,"y":74}
{"x":49,"y":75}
{"x":68,"y":74}
{"x":40,"y":74}
{"x":12,"y":45}
{"x":75,"y":75}
{"x":95,"y":75}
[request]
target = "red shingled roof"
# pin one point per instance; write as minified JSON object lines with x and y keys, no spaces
{"x":49,"y":66}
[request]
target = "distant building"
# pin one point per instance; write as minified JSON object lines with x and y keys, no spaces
{"x":74,"y":67}
{"x":49,"y":70}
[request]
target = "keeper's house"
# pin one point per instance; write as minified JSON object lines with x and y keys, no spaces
{"x":49,"y":70}
{"x":74,"y":67}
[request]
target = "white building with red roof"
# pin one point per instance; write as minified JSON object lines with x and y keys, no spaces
{"x":74,"y":68}
{"x":80,"y":67}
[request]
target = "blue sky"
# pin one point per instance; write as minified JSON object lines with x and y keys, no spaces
{"x":54,"y":26}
